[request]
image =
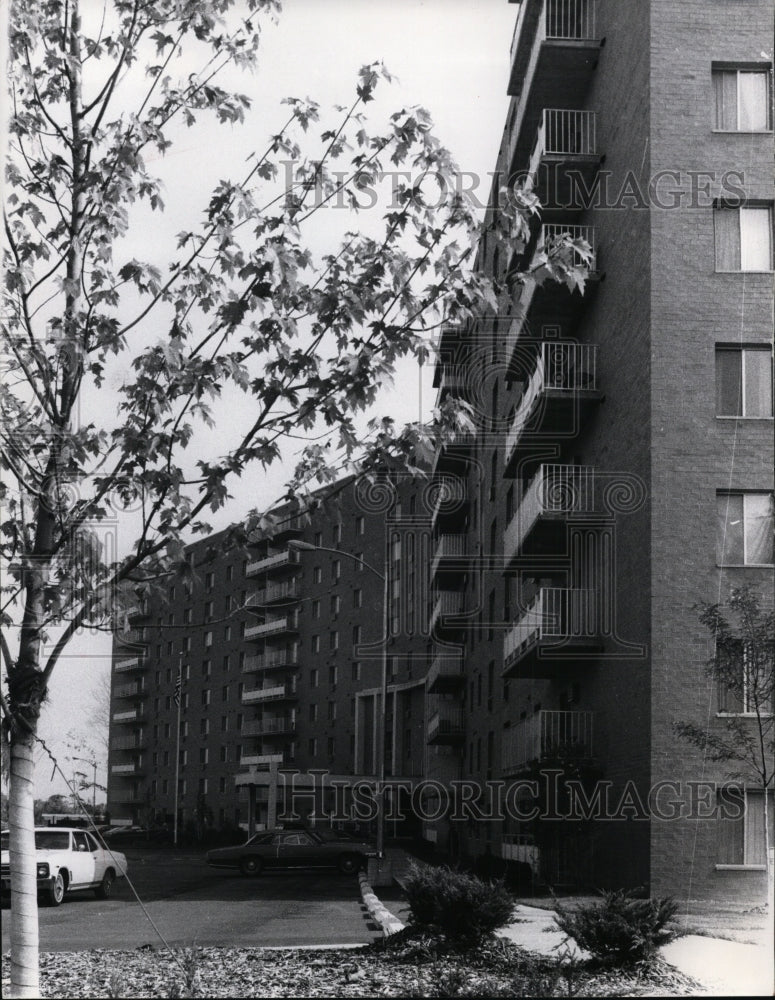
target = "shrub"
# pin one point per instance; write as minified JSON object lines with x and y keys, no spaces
{"x":459,"y":906}
{"x":623,"y":929}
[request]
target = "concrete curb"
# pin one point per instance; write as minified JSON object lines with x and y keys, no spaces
{"x":389,"y":923}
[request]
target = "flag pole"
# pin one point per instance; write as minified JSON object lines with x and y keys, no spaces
{"x":178,"y":699}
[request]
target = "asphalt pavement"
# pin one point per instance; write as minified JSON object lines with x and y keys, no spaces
{"x":192,"y":904}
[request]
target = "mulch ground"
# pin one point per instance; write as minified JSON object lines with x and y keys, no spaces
{"x":501,"y":970}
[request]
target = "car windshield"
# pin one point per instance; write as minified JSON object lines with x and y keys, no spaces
{"x":52,"y":840}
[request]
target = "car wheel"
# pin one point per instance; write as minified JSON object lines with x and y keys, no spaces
{"x":105,"y":887}
{"x":56,"y":892}
{"x":251,"y":866}
{"x":349,"y":863}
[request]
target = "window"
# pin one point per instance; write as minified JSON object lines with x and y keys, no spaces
{"x":225,"y":663}
{"x":312,"y":747}
{"x":357,"y":598}
{"x":208,"y":639}
{"x":336,"y":604}
{"x":317,"y":574}
{"x":316,"y":609}
{"x":224,"y":723}
{"x":336,"y":569}
{"x":227,"y":633}
{"x":742,"y":100}
{"x":331,"y":711}
{"x":330,"y":746}
{"x":743,"y":238}
{"x":318,"y":539}
{"x":229,"y":573}
{"x":356,"y":671}
{"x":209,"y":609}
{"x":333,"y":640}
{"x":186,"y":616}
{"x":205,"y":668}
{"x":209,"y":581}
{"x":315,"y":643}
{"x":333,"y":675}
{"x":313,"y":712}
{"x":205,"y":696}
{"x":360,"y":525}
{"x":225,"y":692}
{"x":743,"y":382}
{"x":204,"y":755}
{"x":204,"y":726}
{"x":741,"y":840}
{"x":744,"y":528}
{"x":338,"y":534}
{"x":183,"y":758}
{"x":359,"y":562}
{"x":747,"y":689}
{"x":356,"y":635}
{"x":313,"y":678}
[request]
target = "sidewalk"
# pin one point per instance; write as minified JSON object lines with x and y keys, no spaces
{"x":724,"y":968}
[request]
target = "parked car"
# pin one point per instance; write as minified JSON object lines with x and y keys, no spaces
{"x":294,"y":849}
{"x":68,"y":860}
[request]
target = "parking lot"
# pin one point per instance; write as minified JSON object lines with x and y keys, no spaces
{"x":191,"y":903}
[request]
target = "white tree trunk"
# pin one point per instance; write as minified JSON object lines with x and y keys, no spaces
{"x":25,"y":980}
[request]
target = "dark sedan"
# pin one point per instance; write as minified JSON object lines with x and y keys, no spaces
{"x":294,"y":849}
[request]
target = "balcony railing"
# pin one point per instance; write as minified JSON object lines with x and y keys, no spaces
{"x":561,"y":368}
{"x":130,"y":691}
{"x":275,"y":626}
{"x":134,"y":716}
{"x":448,"y":603}
{"x":288,"y":557}
{"x":278,"y":726}
{"x":128,"y":743}
{"x":127,"y":770}
{"x":270,"y":661}
{"x":556,"y":614}
{"x":551,"y":232}
{"x":280,"y":692}
{"x":554,"y":490}
{"x":445,"y":674}
{"x":262,"y":760}
{"x":563,"y":20}
{"x":131,"y":663}
{"x":448,"y":547}
{"x":285,"y":590}
{"x":446,"y":725}
{"x":546,"y":734}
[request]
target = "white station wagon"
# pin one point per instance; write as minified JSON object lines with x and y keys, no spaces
{"x":68,"y":860}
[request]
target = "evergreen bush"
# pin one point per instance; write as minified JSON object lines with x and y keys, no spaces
{"x":625,"y":928}
{"x":459,"y":906}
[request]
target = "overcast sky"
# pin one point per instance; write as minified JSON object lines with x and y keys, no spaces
{"x":450,"y":56}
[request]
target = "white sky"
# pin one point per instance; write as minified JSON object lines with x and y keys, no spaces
{"x":450,"y":56}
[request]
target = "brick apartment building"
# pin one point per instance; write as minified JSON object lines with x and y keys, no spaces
{"x":542,"y":585}
{"x":614,"y":435}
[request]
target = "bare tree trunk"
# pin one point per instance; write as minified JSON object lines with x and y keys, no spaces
{"x":24,"y":886}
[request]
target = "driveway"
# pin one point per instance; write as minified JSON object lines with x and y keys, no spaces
{"x":191,"y":903}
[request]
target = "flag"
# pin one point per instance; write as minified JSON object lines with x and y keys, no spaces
{"x":178,"y":686}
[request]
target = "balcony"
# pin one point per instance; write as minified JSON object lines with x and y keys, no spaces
{"x":279,"y":660}
{"x":564,"y":158}
{"x":450,"y":556}
{"x":453,"y":378}
{"x":547,"y":734}
{"x":563,"y":381}
{"x":282,"y":725}
{"x":552,"y":303}
{"x":284,"y":591}
{"x":559,"y":625}
{"x":129,"y":664}
{"x":452,"y":455}
{"x":274,"y":627}
{"x":554,"y":52}
{"x":280,"y":692}
{"x":136,"y":742}
{"x":445,"y":675}
{"x":136,"y":690}
{"x":275,"y":563}
{"x":135,"y":611}
{"x":285,"y":525}
{"x":446,"y":727}
{"x":121,"y":718}
{"x":556,"y":494}
{"x":262,"y":760}
{"x":127,"y":796}
{"x":127,"y":770}
{"x":449,"y":603}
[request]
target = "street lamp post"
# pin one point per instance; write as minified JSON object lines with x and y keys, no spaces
{"x":302,"y":546}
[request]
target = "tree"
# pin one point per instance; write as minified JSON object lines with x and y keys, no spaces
{"x":119,"y":365}
{"x":742,"y":669}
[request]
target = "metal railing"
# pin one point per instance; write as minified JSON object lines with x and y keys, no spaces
{"x":544,"y":734}
{"x":284,"y":590}
{"x":564,"y":132}
{"x":447,"y":666}
{"x":555,"y":489}
{"x":262,"y":760}
{"x":128,"y":716}
{"x":448,"y":602}
{"x":287,"y":556}
{"x":130,"y":691}
{"x":270,"y":661}
{"x":275,"y":626}
{"x":279,"y":692}
{"x":446,"y":721}
{"x":551,"y":233}
{"x":276,"y":726}
{"x":132,"y":663}
{"x":567,"y":367}
{"x":128,"y":743}
{"x":555,"y":613}
{"x":571,"y":20}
